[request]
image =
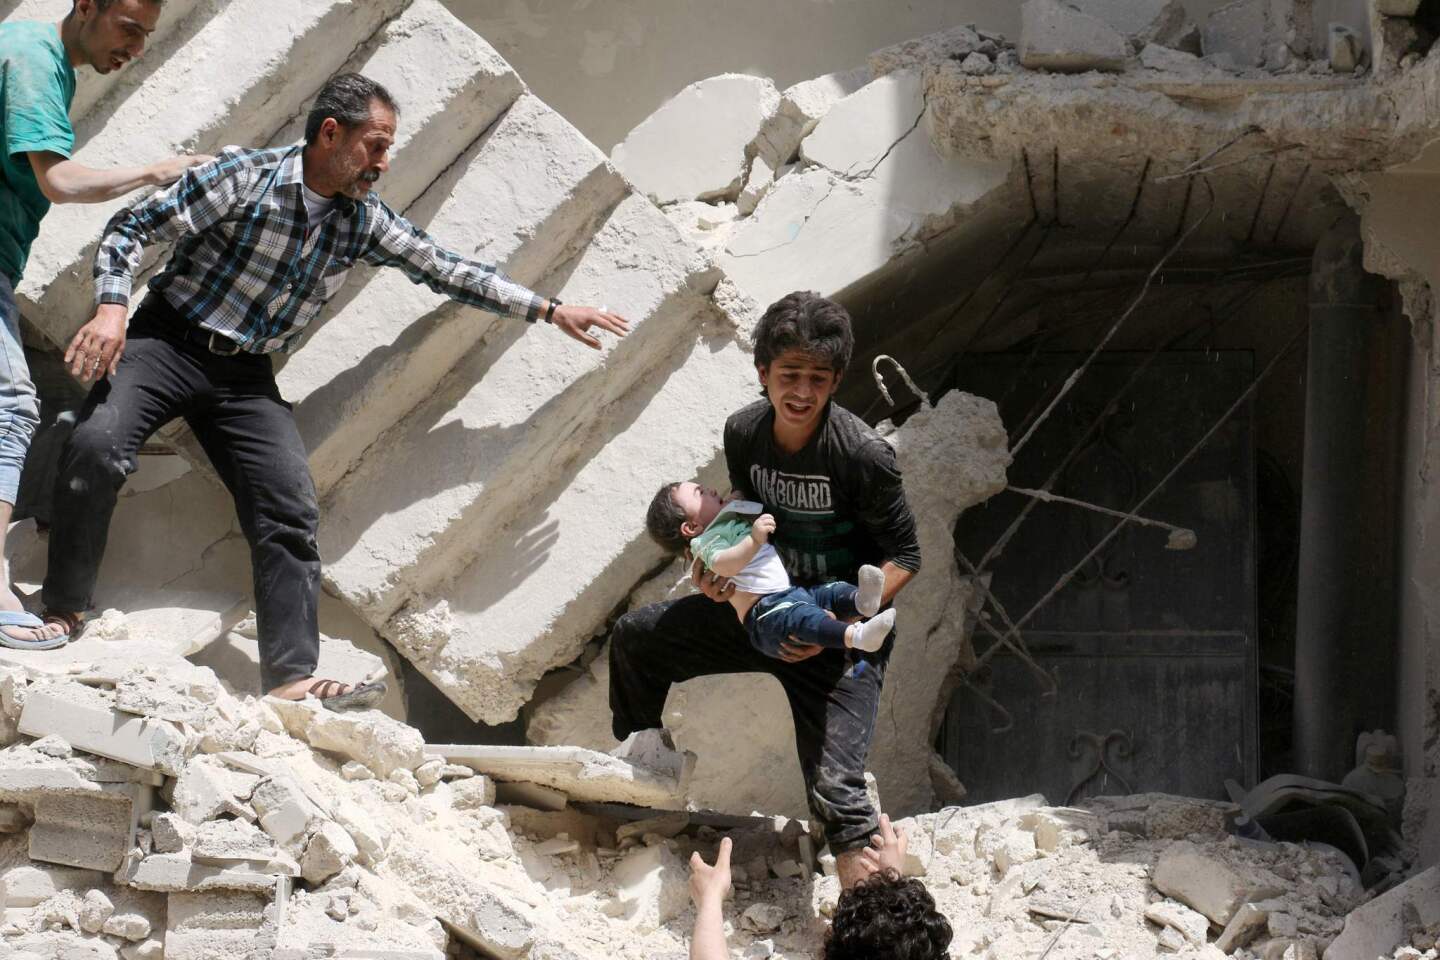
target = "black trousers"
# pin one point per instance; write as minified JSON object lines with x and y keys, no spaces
{"x":234,"y":407}
{"x":833,"y":698}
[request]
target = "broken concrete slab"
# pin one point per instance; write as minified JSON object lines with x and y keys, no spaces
{"x":329,"y":850}
{"x":1235,"y":34}
{"x":816,"y":230}
{"x":91,"y":832}
{"x":694,"y":147}
{"x":382,"y":743}
{"x":226,"y":841}
{"x":283,"y":61}
{"x":488,"y":656}
{"x":284,"y":811}
{"x":955,"y":43}
{"x":1205,"y":883}
{"x":1378,"y":927}
{"x":89,"y":722}
{"x":801,"y":108}
{"x":178,"y":873}
{"x":31,"y":884}
{"x":860,"y":131}
{"x":478,"y":913}
{"x":651,"y":887}
{"x":1163,"y":22}
{"x":578,"y":773}
{"x":1059,"y":37}
{"x":207,"y":789}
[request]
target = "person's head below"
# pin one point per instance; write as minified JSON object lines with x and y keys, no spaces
{"x":887,"y":917}
{"x":680,"y":512}
{"x":107,"y":34}
{"x":348,"y":135}
{"x":803,"y":344}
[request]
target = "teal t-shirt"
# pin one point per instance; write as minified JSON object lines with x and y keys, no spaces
{"x":731,"y":525}
{"x":37,"y":84}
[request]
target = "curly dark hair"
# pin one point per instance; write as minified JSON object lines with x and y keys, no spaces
{"x":887,"y":917}
{"x":663,"y":520}
{"x":806,"y":321}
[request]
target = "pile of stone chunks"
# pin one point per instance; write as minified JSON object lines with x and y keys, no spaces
{"x":151,"y":814}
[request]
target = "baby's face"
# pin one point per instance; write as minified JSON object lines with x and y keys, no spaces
{"x":700,"y":504}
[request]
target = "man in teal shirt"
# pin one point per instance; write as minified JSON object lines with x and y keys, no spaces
{"x":37,"y":83}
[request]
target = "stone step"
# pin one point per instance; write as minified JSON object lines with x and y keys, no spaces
{"x":171,"y":31}
{"x":435,"y":489}
{"x":517,"y":198}
{"x":216,"y":91}
{"x":547,"y":580}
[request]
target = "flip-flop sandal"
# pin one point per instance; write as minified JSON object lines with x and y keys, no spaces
{"x":356,"y":698}
{"x":27,"y":621}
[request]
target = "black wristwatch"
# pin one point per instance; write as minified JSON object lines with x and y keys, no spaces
{"x":550,"y":310}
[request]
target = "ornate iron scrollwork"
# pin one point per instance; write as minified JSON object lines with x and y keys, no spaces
{"x":1124,"y":749}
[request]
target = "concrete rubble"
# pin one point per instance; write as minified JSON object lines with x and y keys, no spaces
{"x":165,"y":813}
{"x":276,"y":850}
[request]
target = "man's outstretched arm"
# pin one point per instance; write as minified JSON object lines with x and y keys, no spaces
{"x":63,"y":180}
{"x":395,"y":242}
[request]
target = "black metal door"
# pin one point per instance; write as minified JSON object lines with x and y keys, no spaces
{"x":1153,"y":649}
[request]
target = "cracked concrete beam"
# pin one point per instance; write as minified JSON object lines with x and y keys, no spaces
{"x":511,"y":405}
{"x":697,"y":144}
{"x":575,"y":547}
{"x":818,"y":230}
{"x":516,"y":198}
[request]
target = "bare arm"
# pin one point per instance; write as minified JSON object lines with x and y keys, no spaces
{"x":896,"y":577}
{"x":708,"y":886}
{"x":731,"y":560}
{"x":65,"y":181}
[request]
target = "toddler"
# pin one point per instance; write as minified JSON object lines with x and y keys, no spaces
{"x":732,"y":539}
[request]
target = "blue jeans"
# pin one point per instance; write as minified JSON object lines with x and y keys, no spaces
{"x":19,"y":407}
{"x":801,"y":613}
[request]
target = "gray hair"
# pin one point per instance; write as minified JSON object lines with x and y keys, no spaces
{"x":347,"y":98}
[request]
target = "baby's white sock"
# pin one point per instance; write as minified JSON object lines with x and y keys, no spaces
{"x":871,"y":588}
{"x":870,"y":635}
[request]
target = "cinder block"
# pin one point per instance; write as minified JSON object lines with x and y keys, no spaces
{"x":81,"y":831}
{"x":87,"y":722}
{"x":213,"y":926}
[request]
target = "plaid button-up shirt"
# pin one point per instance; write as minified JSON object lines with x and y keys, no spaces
{"x":250,"y":267}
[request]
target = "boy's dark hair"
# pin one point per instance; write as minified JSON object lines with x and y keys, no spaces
{"x":887,"y":917}
{"x":663,"y":520}
{"x":347,"y":98}
{"x":806,"y":321}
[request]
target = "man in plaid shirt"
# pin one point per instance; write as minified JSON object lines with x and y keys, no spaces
{"x":263,"y":238}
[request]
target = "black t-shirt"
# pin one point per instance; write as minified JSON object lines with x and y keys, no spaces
{"x":838,"y":501}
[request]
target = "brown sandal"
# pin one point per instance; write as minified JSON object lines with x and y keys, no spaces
{"x":335,"y":695}
{"x":72,"y":622}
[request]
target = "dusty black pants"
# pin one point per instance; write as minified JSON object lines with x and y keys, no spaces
{"x":833,"y":698}
{"x":248,"y":432}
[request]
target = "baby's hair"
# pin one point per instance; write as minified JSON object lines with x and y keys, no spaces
{"x":664,"y":519}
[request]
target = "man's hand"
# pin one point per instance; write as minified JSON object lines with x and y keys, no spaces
{"x":761,"y":529}
{"x":576,"y":320}
{"x":708,"y":885}
{"x":795,"y":650}
{"x":887,"y":849}
{"x":714,"y":586}
{"x":167,"y":171}
{"x":97,"y":347}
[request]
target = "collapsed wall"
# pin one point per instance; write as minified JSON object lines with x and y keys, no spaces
{"x":482,"y":484}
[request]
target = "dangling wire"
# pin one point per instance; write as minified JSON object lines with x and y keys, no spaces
{"x":880,"y":381}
